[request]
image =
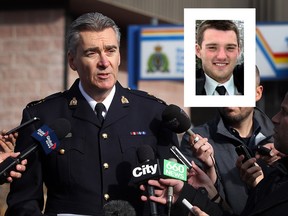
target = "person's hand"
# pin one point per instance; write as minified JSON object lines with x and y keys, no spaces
{"x":7,"y":142}
{"x":204,"y":151}
{"x":198,"y":178}
{"x":19,"y":167}
{"x":197,"y":212}
{"x":274,"y":154}
{"x":161,"y":187}
{"x":250,"y":172}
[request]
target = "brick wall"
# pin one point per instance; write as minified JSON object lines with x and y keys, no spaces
{"x":31,"y":63}
{"x":31,"y":59}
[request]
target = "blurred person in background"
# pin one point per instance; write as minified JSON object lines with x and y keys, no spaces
{"x":270,"y":195}
{"x":233,"y":126}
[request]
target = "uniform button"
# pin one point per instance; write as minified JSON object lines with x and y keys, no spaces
{"x":62,"y":151}
{"x":106,"y":165}
{"x":104,"y":135}
{"x":106,"y":196}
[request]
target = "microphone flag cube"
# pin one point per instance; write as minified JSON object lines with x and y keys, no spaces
{"x":174,"y":170}
{"x":47,"y":137}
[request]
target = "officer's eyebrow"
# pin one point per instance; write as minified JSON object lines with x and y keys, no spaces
{"x":96,"y":49}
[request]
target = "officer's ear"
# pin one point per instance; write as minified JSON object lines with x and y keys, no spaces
{"x":71,"y":61}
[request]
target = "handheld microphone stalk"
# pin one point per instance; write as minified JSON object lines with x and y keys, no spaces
{"x":151,"y":168}
{"x":145,"y":155}
{"x":46,"y":136}
{"x":177,"y":153}
{"x":170,"y":192}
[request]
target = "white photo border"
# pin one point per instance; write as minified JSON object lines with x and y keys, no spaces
{"x":190,"y":17}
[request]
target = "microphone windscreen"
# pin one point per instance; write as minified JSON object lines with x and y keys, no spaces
{"x":119,"y":208}
{"x":176,"y":119}
{"x":61,"y":127}
{"x":144,"y":153}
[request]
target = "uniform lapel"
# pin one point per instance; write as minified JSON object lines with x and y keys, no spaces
{"x":119,"y":107}
{"x":81,"y":109}
{"x":79,"y":106}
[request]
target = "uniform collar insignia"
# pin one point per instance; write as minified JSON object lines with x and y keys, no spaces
{"x":73,"y":102}
{"x":124,"y":100}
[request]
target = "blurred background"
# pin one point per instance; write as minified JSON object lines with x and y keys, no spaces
{"x":33,"y":52}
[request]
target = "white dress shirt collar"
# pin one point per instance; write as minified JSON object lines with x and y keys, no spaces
{"x":211,"y":84}
{"x":107,"y":101}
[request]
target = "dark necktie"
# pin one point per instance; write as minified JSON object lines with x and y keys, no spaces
{"x":221,"y":90}
{"x":100,"y":108}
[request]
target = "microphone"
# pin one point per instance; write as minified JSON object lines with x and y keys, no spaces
{"x":149,"y":169}
{"x":170,"y":192}
{"x":176,"y":119}
{"x":177,"y":153}
{"x":188,"y":205}
{"x":119,"y":208}
{"x":46,"y":136}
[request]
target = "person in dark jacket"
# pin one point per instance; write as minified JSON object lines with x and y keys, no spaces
{"x":233,"y":126}
{"x":268,"y":197}
{"x":218,"y":47}
{"x":94,"y":162}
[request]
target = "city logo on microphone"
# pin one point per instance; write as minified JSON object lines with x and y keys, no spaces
{"x":144,"y":170}
{"x":147,"y":170}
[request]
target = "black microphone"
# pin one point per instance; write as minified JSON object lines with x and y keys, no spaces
{"x":46,"y":136}
{"x":176,"y":152}
{"x":118,"y":208}
{"x":151,"y":168}
{"x":148,"y":169}
{"x":176,"y":119}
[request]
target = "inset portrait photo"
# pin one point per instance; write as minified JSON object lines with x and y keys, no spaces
{"x":219,"y":57}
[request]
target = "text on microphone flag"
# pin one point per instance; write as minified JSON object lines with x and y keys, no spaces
{"x":47,"y":137}
{"x":175,"y":170}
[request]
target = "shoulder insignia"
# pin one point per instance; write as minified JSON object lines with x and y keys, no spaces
{"x":146,"y":95}
{"x":124,"y":100}
{"x":33,"y":103}
{"x":73,"y":102}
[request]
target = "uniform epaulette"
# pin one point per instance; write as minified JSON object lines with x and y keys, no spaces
{"x":146,"y":95}
{"x":33,"y":103}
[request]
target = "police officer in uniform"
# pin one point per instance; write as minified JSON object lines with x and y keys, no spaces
{"x":95,"y":160}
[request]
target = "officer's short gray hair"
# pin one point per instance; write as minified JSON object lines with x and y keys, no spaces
{"x":89,"y":22}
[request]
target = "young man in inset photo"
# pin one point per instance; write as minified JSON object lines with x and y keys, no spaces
{"x":218,"y":48}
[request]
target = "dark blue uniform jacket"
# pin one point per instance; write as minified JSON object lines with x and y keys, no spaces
{"x":92,"y":165}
